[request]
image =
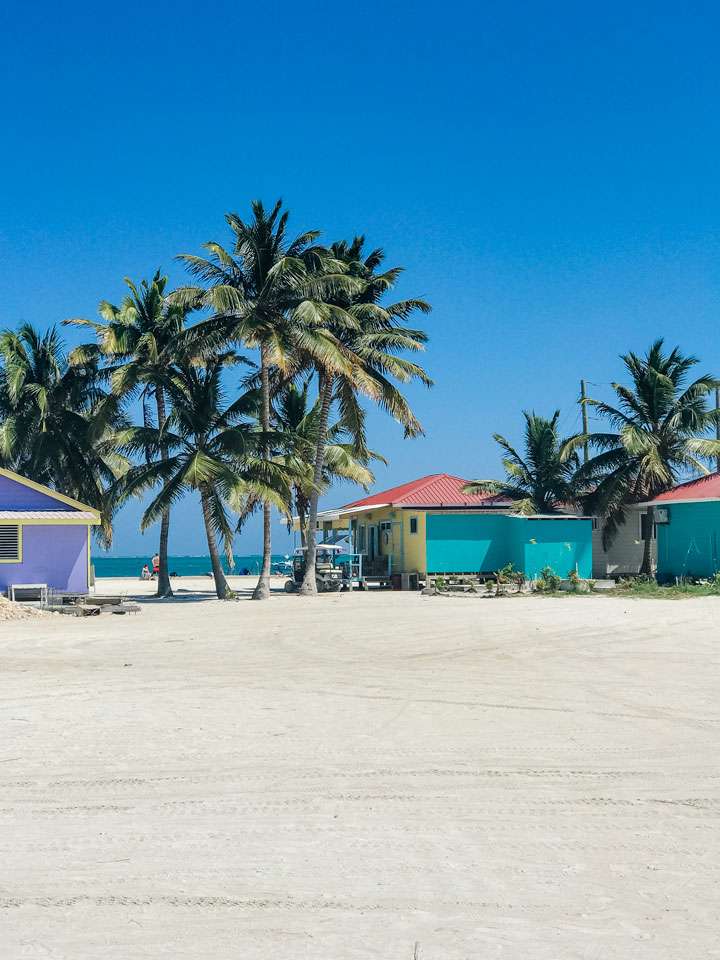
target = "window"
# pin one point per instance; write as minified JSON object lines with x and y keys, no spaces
{"x":386,"y":526}
{"x":594,"y":523}
{"x":10,"y":543}
{"x":644,"y":527}
{"x":361,"y":539}
{"x":413,"y":524}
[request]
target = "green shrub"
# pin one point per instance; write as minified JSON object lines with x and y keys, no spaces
{"x":508,"y":574}
{"x":577,"y":583}
{"x":548,"y":581}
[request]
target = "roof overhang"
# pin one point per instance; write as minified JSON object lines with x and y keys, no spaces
{"x":347,"y":511}
{"x":424,"y":507}
{"x":662,"y":503}
{"x":339,"y":512}
{"x":82,"y":518}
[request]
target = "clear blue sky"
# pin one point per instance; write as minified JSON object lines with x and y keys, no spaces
{"x":547,"y":174}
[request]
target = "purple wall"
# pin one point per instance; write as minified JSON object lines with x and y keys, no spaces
{"x":16,"y":496}
{"x":52,"y":553}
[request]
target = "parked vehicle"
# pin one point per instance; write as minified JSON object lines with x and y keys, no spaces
{"x":329,"y":572}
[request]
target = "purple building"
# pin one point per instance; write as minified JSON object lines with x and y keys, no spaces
{"x":44,"y":536}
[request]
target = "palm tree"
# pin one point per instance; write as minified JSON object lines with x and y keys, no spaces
{"x":139,"y":339}
{"x":660,"y":424}
{"x":252,"y":290}
{"x":297,"y":422}
{"x":544,"y":477}
{"x":211,"y":449}
{"x":370,"y":336}
{"x":59,"y":425}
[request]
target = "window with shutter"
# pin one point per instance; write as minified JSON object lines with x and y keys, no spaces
{"x":644,"y":528}
{"x":9,"y":543}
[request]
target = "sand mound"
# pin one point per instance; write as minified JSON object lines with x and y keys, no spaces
{"x":17,"y":611}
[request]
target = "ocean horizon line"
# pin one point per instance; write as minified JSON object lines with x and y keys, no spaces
{"x":179,"y":556}
{"x":189,"y":564}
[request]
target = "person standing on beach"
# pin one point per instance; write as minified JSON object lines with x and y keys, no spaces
{"x":156,"y":565}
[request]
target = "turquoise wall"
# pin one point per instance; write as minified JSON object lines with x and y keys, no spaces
{"x":689,"y":545}
{"x":466,"y":543}
{"x":470,"y":543}
{"x":564,"y":545}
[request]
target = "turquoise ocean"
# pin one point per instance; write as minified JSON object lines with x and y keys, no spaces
{"x":183,"y":566}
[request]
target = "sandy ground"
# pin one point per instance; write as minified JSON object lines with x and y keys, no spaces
{"x":349,"y":776}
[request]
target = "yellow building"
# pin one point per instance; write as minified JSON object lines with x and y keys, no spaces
{"x":429,"y":526}
{"x":389,"y":528}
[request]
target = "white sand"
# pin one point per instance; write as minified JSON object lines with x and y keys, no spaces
{"x":18,"y":611}
{"x":347,"y":776}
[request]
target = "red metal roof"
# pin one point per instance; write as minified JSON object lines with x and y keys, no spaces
{"x":704,"y":488}
{"x":435,"y":490}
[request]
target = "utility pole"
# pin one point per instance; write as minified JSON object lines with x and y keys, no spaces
{"x":717,"y":425}
{"x":583,"y":405}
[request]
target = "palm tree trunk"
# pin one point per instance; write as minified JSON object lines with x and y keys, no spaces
{"x":308,"y":585}
{"x":262,"y":590}
{"x":221,"y":585}
{"x":646,"y":567}
{"x":164,"y":588}
{"x":301,"y":501}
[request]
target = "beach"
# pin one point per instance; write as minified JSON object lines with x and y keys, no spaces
{"x":378,"y":775}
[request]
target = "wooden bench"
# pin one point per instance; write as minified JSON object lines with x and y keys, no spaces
{"x":40,"y":588}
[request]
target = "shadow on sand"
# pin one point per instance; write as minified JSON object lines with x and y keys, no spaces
{"x":186,"y":595}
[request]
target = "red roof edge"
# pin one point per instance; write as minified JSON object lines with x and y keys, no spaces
{"x":435,"y":489}
{"x":701,"y":488}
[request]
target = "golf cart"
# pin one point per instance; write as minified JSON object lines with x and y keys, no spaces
{"x":329,"y":574}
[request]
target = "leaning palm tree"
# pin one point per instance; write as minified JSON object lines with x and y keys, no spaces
{"x":139,"y":340}
{"x":213,"y":449}
{"x":660,"y":434}
{"x":543,"y":478}
{"x":59,"y":425}
{"x":370,"y":336}
{"x":251,"y":290}
{"x":297,"y":422}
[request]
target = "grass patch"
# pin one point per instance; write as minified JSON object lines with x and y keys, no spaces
{"x":512,"y":583}
{"x":640,"y":587}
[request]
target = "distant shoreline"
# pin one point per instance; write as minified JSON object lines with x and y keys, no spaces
{"x":185,"y":556}
{"x":188,"y":576}
{"x":184,"y":566}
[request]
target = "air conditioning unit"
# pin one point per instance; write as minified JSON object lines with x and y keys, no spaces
{"x":662,"y":515}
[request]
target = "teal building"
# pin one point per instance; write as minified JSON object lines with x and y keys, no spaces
{"x":468,"y":543}
{"x":687,"y":521}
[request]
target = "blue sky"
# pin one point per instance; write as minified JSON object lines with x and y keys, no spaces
{"x":546,"y":173}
